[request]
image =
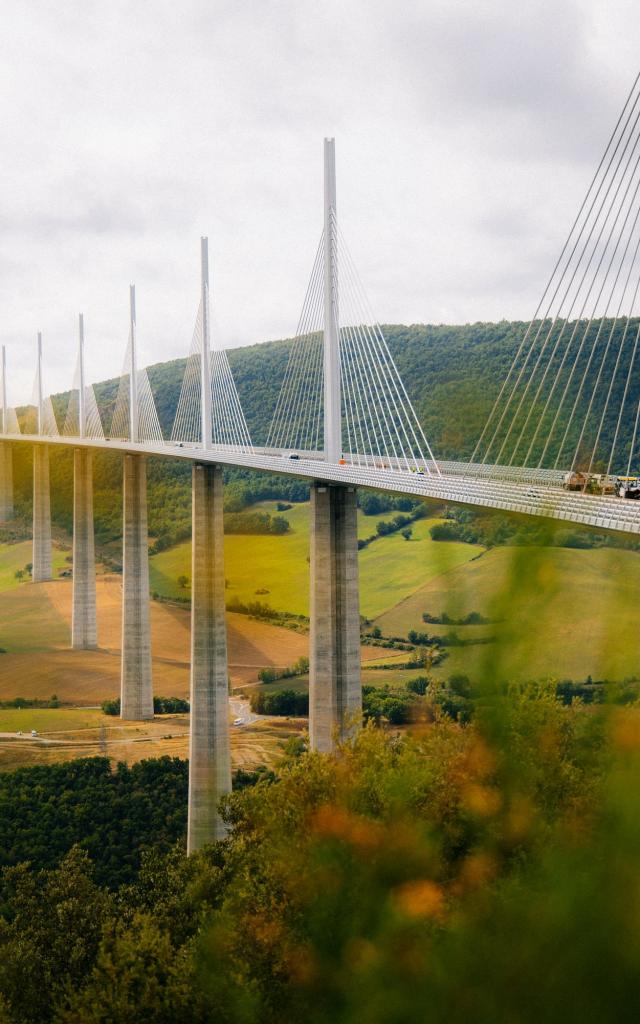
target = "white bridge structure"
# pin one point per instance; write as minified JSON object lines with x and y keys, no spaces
{"x":344,"y":421}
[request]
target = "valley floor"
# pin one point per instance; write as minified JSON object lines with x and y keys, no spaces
{"x":550,"y":613}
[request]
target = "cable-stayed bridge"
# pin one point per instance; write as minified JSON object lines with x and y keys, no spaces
{"x":569,"y":402}
{"x":560,"y":441}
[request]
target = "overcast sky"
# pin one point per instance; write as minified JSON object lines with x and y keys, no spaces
{"x":466,"y":135}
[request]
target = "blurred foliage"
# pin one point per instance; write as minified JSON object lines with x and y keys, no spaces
{"x":468,"y":873}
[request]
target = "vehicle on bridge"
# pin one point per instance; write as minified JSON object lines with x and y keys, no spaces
{"x":628,"y":487}
{"x":591,"y":483}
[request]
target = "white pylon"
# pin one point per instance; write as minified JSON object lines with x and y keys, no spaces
{"x":39,"y":383}
{"x":332,"y":397}
{"x":82,"y":419}
{"x":205,"y":354}
{"x":4,"y":389}
{"x":133,"y":372}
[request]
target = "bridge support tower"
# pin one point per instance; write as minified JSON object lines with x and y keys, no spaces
{"x":136,"y":689}
{"x":41,"y":515}
{"x":209,"y":755}
{"x":84,"y":634}
{"x":6,"y":481}
{"x":335,"y":697}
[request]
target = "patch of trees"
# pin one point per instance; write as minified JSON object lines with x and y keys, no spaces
{"x":478,"y":526}
{"x":402,"y":522}
{"x":448,"y":640}
{"x":113,"y":815}
{"x":418,"y":699}
{"x":472,"y":619}
{"x":255,"y":523}
{"x":286,"y":703}
{"x":260,"y":610}
{"x":598,"y":691}
{"x":394,"y":704}
{"x":374,"y":503}
{"x":161,"y":706}
{"x":31,"y":702}
{"x":273,"y":674}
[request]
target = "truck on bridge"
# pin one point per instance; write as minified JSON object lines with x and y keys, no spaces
{"x":602,"y":483}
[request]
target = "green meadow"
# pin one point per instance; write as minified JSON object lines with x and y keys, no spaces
{"x":14,"y":557}
{"x":49,"y":721}
{"x":555,"y":612}
{"x":390,"y":567}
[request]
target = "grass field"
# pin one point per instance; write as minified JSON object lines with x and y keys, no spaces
{"x":559,"y":612}
{"x":390,"y":567}
{"x":14,"y":557}
{"x":47,"y":719}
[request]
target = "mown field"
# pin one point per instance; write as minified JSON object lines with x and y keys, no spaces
{"x":68,"y":733}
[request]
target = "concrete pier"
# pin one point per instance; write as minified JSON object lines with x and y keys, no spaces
{"x":335,"y":697}
{"x":136,"y":690}
{"x":6,"y":481}
{"x":209,"y":756}
{"x":41,"y":514}
{"x":84,"y":634}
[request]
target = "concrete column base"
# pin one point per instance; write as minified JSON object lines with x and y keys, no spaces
{"x":335,"y":694}
{"x":84,"y":633}
{"x":6,"y":481}
{"x":136,"y":688}
{"x":41,"y":515}
{"x":209,"y":755}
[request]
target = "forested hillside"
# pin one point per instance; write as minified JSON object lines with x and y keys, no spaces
{"x":444,"y":369}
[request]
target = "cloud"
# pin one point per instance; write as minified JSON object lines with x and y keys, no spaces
{"x":466,"y":134}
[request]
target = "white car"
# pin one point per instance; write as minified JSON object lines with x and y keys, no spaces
{"x":238,"y":721}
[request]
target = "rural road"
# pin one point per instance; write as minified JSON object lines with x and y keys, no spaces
{"x":240,"y":708}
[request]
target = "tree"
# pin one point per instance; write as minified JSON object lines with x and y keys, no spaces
{"x":19,"y":574}
{"x":419,"y":684}
{"x":138,"y":975}
{"x":183,"y":582}
{"x":407,"y":532}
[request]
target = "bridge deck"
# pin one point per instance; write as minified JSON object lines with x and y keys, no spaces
{"x":538,"y":494}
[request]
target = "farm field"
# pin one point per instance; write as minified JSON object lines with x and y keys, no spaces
{"x":68,"y":733}
{"x":35,"y":623}
{"x":555,"y":612}
{"x":390,"y":567}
